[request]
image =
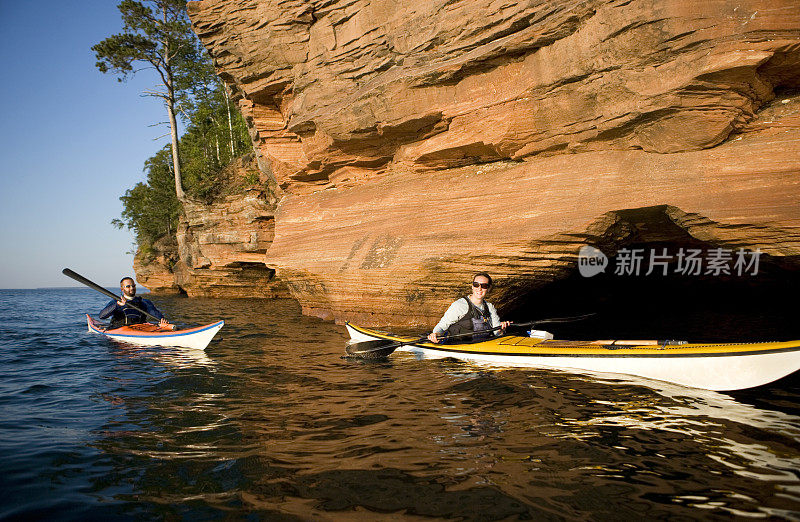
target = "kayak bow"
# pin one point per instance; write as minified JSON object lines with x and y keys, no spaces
{"x":148,"y":334}
{"x":711,"y":366}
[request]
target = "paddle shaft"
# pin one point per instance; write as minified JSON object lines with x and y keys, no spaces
{"x":389,"y":346}
{"x":456,"y":336}
{"x":79,"y":278}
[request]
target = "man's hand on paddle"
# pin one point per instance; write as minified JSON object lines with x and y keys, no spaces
{"x":432,"y":337}
{"x":163,"y":323}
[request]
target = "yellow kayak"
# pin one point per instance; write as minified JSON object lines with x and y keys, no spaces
{"x":711,"y":366}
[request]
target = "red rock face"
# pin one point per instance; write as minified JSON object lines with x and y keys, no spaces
{"x":220,"y":246}
{"x":418,"y":143}
{"x":153,"y":268}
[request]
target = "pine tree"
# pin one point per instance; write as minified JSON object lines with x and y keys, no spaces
{"x":156,"y":35}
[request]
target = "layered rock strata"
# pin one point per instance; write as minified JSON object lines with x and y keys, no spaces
{"x":221,"y":245}
{"x":398,"y":250}
{"x":416,"y":143}
{"x":154,"y":266}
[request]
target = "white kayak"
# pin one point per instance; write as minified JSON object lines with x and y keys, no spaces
{"x":147,"y":334}
{"x":711,"y":366}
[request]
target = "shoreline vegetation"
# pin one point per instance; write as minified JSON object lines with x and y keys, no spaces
{"x":157,"y":36}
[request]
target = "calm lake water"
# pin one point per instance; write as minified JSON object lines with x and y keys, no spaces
{"x":271,"y":423}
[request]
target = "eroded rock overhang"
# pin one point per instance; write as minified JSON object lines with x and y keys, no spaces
{"x":416,"y":144}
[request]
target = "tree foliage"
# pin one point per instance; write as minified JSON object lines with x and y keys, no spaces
{"x":151,"y":208}
{"x":157,"y":35}
{"x":216,"y":134}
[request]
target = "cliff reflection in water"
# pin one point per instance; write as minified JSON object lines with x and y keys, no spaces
{"x":274,"y":421}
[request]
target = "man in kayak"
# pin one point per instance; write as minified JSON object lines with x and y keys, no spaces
{"x":470,"y":314}
{"x":121,"y":314}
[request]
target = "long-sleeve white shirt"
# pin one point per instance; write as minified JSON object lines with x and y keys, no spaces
{"x":459,"y":309}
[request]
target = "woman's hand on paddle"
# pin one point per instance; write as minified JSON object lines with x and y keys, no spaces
{"x":504,"y":324}
{"x":432,"y":337}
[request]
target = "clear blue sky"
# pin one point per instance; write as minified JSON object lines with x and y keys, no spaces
{"x":72,"y":140}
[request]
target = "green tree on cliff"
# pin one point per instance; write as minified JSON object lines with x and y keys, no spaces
{"x":216,"y":134}
{"x":151,"y":209}
{"x":156,"y":35}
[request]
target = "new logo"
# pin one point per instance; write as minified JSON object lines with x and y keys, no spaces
{"x":591,"y":261}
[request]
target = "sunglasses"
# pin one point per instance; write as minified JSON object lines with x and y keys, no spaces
{"x":476,"y":284}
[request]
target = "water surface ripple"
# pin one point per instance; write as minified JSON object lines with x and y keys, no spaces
{"x":272,"y":423}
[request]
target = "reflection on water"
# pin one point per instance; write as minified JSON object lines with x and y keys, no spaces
{"x":272,"y":421}
{"x":168,"y":356}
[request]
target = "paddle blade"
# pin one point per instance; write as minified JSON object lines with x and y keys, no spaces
{"x":368,"y":345}
{"x":91,"y":284}
{"x":377,"y":349}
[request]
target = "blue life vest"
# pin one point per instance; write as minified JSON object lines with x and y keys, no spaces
{"x":125,"y":315}
{"x":131,"y":315}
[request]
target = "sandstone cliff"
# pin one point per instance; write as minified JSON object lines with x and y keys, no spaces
{"x":220,"y":246}
{"x":416,"y":142}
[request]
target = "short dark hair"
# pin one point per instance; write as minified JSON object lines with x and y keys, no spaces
{"x":484,"y":274}
{"x":125,"y":279}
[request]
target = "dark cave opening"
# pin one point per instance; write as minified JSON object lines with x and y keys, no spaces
{"x":251,"y":270}
{"x":755,"y":303}
{"x":671,"y":307}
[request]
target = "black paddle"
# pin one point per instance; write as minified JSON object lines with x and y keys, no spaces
{"x":380,"y":348}
{"x":79,"y":278}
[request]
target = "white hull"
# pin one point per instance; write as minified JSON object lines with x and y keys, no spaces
{"x":193,"y":338}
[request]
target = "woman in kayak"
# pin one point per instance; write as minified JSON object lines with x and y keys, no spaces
{"x":470,"y":314}
{"x":122,"y":315}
